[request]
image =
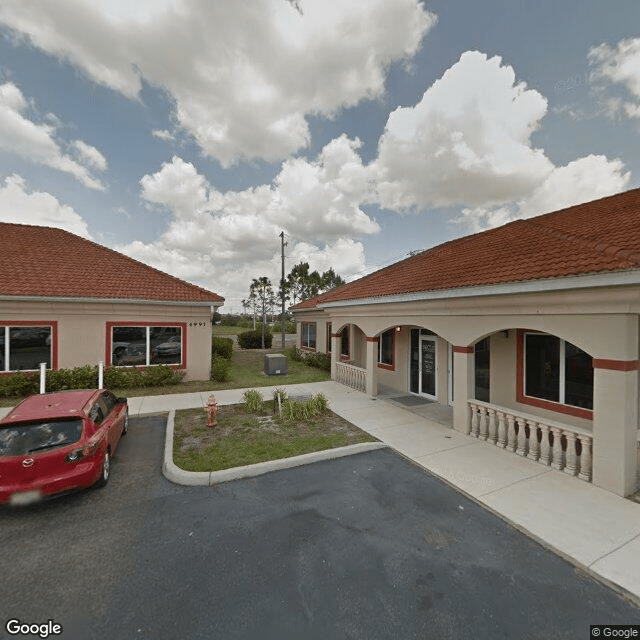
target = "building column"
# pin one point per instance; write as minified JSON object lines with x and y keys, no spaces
{"x":463,"y":365}
{"x":372,"y":366}
{"x":615,"y":425}
{"x":336,"y":347}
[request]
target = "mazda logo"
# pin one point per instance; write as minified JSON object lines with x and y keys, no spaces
{"x":27,"y":462}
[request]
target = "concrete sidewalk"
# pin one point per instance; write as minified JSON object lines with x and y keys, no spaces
{"x":591,"y":527}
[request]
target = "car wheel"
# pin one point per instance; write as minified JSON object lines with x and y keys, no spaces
{"x":125,"y":429}
{"x":106,"y":470}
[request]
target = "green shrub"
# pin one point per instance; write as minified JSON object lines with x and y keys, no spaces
{"x":295,"y":354}
{"x":220,"y":367}
{"x":222,"y":347}
{"x":160,"y":376}
{"x":305,"y":409}
{"x":79,"y":378}
{"x":311,"y":358}
{"x":19,"y":384}
{"x":253,"y":339}
{"x":282,"y":393}
{"x":318,"y":360}
{"x":253,"y":402}
{"x":86,"y":377}
{"x":132,"y":377}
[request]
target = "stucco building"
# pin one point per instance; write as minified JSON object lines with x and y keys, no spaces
{"x":69,"y":302}
{"x":529,"y":331}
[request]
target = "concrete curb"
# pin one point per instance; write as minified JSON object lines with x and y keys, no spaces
{"x":208,"y":478}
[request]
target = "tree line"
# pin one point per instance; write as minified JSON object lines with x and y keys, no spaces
{"x":300,"y":284}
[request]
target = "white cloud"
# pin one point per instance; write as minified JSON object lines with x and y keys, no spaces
{"x":243,"y":76}
{"x":232,"y":281}
{"x":36,"y":142}
{"x":466,"y":142}
{"x":20,"y":206}
{"x":163,"y":134}
{"x":619,"y":66}
{"x":581,"y":180}
{"x":90,"y":155}
{"x":223,"y":240}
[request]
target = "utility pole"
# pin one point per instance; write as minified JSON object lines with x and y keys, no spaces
{"x":282,"y":324}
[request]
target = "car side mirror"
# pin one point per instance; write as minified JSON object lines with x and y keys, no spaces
{"x":121,"y":400}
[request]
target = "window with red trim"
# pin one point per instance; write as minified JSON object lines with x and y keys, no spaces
{"x":23,"y":346}
{"x":146,"y":345}
{"x":344,"y":343}
{"x":557,"y":371}
{"x":386,"y":349}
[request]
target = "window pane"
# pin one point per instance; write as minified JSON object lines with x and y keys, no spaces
{"x":28,"y":347}
{"x":385,"y":348}
{"x":309,"y":335}
{"x":414,"y":367}
{"x":481,"y":358}
{"x":578,"y":377}
{"x":344,"y":350}
{"x":166,"y":345}
{"x":129,"y":346}
{"x":328,"y":337}
{"x":542,"y":369}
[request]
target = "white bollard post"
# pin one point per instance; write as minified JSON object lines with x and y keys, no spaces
{"x":100,"y":374}
{"x":43,"y":377}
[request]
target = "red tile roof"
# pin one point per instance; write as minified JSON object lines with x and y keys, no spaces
{"x":48,"y":262}
{"x":594,"y":237}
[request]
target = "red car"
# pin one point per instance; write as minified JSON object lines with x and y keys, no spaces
{"x":56,"y":442}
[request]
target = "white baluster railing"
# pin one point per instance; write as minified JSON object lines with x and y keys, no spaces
{"x":351,"y":376}
{"x":563,"y":447}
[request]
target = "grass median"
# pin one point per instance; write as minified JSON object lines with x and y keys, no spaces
{"x":242,"y":437}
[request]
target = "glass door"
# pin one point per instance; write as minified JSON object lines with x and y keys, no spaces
{"x":428,"y":367}
{"x":450,"y":373}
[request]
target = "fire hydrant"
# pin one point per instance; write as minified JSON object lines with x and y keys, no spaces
{"x":212,"y":410}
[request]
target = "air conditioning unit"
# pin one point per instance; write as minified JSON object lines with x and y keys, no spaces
{"x":275,"y":364}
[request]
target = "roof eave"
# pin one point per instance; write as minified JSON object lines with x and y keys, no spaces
{"x":181,"y":303}
{"x":608,"y":279}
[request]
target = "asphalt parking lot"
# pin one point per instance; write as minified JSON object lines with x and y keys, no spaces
{"x":367,"y":546}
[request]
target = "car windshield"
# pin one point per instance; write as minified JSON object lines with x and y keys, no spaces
{"x":21,"y":439}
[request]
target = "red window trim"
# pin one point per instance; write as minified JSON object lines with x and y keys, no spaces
{"x":384,"y":365}
{"x":537,"y":402}
{"x":35,"y":323}
{"x":183,"y":345}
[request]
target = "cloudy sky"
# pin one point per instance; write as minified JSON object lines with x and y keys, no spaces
{"x":188,"y":133}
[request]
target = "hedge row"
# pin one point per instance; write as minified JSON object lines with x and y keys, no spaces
{"x":312,"y":358}
{"x":222,"y":347}
{"x":253,"y":339}
{"x":24,"y":384}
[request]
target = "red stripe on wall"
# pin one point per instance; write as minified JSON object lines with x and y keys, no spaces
{"x":457,"y":349}
{"x":616,"y":365}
